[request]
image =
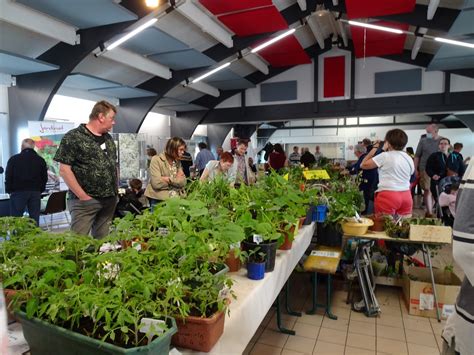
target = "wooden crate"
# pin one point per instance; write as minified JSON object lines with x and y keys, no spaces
{"x":430,"y":234}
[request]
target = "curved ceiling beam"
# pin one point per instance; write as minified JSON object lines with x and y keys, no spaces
{"x":30,"y":98}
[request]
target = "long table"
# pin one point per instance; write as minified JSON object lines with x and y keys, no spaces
{"x":254,"y":298}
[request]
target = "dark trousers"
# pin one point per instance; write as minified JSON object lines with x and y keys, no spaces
{"x":25,"y":200}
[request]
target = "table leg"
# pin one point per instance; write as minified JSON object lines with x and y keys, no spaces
{"x":287,"y":302}
{"x":314,"y":281}
{"x":430,"y":265}
{"x":328,"y":300}
{"x":279,"y":325}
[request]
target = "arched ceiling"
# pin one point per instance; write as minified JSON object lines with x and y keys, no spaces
{"x":152,"y":70}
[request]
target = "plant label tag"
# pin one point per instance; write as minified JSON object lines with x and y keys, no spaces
{"x":448,"y":309}
{"x":426,"y":301}
{"x":326,"y":254}
{"x":152,"y":326}
{"x":163,"y":231}
{"x":137,"y":246}
{"x":235,"y":246}
{"x":257,"y":238}
{"x":224,"y":292}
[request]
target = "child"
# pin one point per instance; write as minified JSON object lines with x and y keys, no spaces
{"x":449,"y":199}
{"x":133,"y":200}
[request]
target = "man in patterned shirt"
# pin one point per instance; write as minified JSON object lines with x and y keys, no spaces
{"x":88,"y":165}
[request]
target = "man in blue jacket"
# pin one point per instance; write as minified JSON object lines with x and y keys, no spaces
{"x":25,"y":180}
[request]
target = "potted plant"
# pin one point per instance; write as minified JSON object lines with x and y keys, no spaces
{"x":255,"y":264}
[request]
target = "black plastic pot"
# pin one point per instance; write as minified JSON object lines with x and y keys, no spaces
{"x":268,"y":248}
{"x":329,"y":234}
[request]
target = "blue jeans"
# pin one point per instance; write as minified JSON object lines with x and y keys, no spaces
{"x":26,"y":200}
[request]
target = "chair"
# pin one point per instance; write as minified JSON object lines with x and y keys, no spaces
{"x":56,"y":204}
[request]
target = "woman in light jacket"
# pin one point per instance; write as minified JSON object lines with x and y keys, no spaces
{"x":167,"y":178}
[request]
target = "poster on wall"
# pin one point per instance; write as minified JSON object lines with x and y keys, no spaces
{"x":47,"y":136}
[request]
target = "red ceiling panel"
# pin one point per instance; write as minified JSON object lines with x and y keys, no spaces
{"x":372,"y":8}
{"x":378,"y":43}
{"x":218,"y":7}
{"x":285,"y":52}
{"x":253,"y":22}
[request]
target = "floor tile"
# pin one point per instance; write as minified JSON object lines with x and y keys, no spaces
{"x":390,"y":320}
{"x":362,"y":317}
{"x":273,"y":338}
{"x":360,"y":341}
{"x":357,"y":351}
{"x":338,"y":324}
{"x":392,"y":311}
{"x":340,"y":312}
{"x":325,"y":348}
{"x":312,"y":319}
{"x":263,"y":349}
{"x":364,"y":328}
{"x":332,"y":336}
{"x":306,"y":330}
{"x":393,"y":333}
{"x":286,"y":323}
{"x":291,"y":352}
{"x":421,"y":338}
{"x":300,"y":344}
{"x":415,"y":349}
{"x":390,"y":346}
{"x":416,"y":324}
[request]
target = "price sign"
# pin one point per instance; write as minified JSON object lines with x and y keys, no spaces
{"x":257,"y":238}
{"x":316,"y":174}
{"x":326,"y":254}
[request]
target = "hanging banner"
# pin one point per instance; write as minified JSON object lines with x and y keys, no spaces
{"x":47,"y":136}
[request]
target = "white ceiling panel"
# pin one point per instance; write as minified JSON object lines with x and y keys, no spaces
{"x":180,"y":28}
{"x":21,"y":41}
{"x":108,"y":69}
{"x":242,"y":68}
{"x":283,"y":4}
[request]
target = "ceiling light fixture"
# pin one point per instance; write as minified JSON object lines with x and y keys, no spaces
{"x":152,"y":3}
{"x":273,"y":40}
{"x":375,"y":27}
{"x":131,"y":34}
{"x":209,"y":73}
{"x":456,"y":43}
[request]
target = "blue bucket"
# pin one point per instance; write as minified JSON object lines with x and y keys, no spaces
{"x":255,"y":271}
{"x":321,"y":212}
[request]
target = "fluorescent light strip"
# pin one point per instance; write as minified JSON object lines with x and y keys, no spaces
{"x":375,"y":27}
{"x":131,"y":34}
{"x":456,"y":43}
{"x":209,"y":73}
{"x":273,"y":40}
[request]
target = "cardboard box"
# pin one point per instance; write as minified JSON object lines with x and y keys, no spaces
{"x":432,"y":234}
{"x":418,"y":291}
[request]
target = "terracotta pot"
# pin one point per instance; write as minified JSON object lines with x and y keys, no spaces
{"x":289,"y":236}
{"x":232,"y":262}
{"x":9,"y":293}
{"x":197,"y":333}
{"x":379,"y":222}
{"x":301,"y":222}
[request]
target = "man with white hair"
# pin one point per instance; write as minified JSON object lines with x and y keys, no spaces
{"x":25,"y":180}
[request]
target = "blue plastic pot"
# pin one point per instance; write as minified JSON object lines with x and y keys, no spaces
{"x":321,"y":212}
{"x":255,"y":271}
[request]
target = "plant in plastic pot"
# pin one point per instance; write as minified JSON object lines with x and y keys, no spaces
{"x":255,"y":264}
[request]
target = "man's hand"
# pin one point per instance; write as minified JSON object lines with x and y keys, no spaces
{"x":86,"y":197}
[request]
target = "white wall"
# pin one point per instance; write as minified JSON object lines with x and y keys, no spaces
{"x":351,"y":135}
{"x":461,"y":83}
{"x":69,"y":109}
{"x":304,"y":87}
{"x":365,"y":69}
{"x":156,"y":128}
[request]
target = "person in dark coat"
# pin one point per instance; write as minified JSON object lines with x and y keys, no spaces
{"x":436,"y":165}
{"x":26,"y":177}
{"x":307,"y":159}
{"x":456,"y":166}
{"x":369,"y":177}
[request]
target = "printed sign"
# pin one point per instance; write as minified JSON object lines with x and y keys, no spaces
{"x":326,"y":254}
{"x":316,"y":174}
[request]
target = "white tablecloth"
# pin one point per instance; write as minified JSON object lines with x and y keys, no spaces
{"x":254,"y":298}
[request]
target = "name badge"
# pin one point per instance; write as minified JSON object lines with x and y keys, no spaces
{"x":103,"y":146}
